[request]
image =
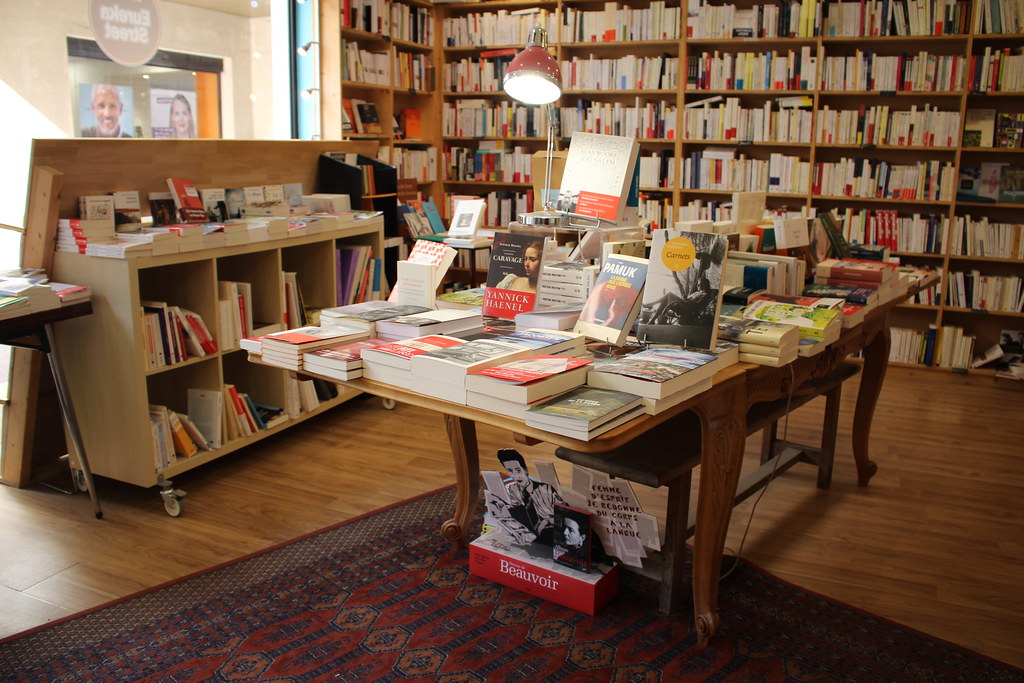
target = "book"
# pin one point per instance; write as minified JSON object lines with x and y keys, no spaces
{"x":753,"y":331}
{"x":367,"y":118}
{"x":206,"y":410}
{"x":512,"y":275}
{"x":614,"y":301}
{"x":397,"y":354}
{"x":585,"y":412}
{"x":653,"y":373}
{"x":555,"y":342}
{"x":409,"y":122}
{"x":979,"y":128}
{"x":442,"y":372}
{"x":162,"y":208}
{"x":529,"y":379}
{"x":367,"y":313}
{"x":184,"y":446}
{"x":572,"y":537}
{"x":294,"y":342}
{"x":462,"y":298}
{"x":344,"y":361}
{"x":861,"y":296}
{"x":467,"y":218}
{"x":555,"y":318}
{"x":850,"y":269}
{"x":818,"y":323}
{"x":187,"y":201}
{"x":834,"y":233}
{"x":599,"y":170}
{"x":683,"y":296}
{"x":1011,"y":184}
{"x":441,"y":321}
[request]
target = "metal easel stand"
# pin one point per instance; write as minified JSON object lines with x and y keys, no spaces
{"x":46,"y":345}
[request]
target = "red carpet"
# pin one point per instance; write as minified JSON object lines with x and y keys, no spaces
{"x":381,"y":598}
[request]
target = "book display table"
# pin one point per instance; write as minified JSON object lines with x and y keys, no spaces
{"x":722,"y":414}
{"x":35,"y":331}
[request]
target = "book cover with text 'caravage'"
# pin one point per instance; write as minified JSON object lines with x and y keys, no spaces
{"x":512,"y":275}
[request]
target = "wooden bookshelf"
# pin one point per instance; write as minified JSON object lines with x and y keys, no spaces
{"x":111,"y":383}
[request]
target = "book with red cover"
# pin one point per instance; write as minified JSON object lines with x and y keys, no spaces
{"x":301,"y":339}
{"x":187,"y":200}
{"x":512,"y":275}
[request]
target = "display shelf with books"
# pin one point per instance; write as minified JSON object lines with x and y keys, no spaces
{"x":106,"y":362}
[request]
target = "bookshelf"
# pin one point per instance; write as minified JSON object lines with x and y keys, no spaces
{"x":783,"y":97}
{"x":384,"y":53}
{"x":110,"y":380}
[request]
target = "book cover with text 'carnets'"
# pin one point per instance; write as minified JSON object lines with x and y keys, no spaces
{"x":683,"y":296}
{"x":597,"y":176}
{"x":614,"y":301}
{"x":512,"y":275}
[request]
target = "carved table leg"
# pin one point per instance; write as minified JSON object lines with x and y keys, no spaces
{"x":723,"y":436}
{"x":462,"y":438}
{"x":876,"y":360}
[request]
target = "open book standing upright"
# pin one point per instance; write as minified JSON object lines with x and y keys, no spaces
{"x":598,"y":175}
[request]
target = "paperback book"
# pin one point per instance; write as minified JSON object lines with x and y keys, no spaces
{"x":572,"y":538}
{"x":585,"y":412}
{"x":367,"y":313}
{"x":512,"y":275}
{"x":529,"y":379}
{"x":598,"y":173}
{"x":614,"y":300}
{"x":654,"y":373}
{"x":683,"y":296}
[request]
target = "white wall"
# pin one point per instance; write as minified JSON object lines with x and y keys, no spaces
{"x":35,"y":94}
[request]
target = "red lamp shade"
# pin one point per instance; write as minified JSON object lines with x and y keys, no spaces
{"x":533,"y":77}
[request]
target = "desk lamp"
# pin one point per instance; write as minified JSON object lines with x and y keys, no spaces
{"x":534,"y":78}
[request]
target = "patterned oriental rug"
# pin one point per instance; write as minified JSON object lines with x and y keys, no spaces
{"x":381,"y":598}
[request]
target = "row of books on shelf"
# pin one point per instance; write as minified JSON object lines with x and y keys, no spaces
{"x":624,"y":73}
{"x":983,"y":292}
{"x":216,"y":417}
{"x":174,"y":334}
{"x":1001,"y":182}
{"x":29,"y":290}
{"x":482,"y":29}
{"x":724,"y":169}
{"x":489,"y":162}
{"x":946,"y":346}
{"x":728,"y":121}
{"x":657,"y":22}
{"x":482,"y":73}
{"x":770,"y":70}
{"x":982,"y":237}
{"x":811,"y":18}
{"x":882,"y":125}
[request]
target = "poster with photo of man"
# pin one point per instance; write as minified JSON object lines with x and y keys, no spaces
{"x":105,"y":110}
{"x":172,"y":113}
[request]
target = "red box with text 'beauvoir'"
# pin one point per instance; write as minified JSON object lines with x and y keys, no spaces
{"x":492,"y":559}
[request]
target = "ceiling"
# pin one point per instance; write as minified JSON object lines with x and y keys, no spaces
{"x":242,"y":8}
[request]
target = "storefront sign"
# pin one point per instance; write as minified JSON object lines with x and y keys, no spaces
{"x":127,"y":31}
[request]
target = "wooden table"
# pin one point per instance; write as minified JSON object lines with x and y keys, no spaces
{"x":35,"y":331}
{"x":722,"y":411}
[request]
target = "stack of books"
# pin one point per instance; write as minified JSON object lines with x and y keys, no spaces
{"x":341,"y":362}
{"x":454,"y":321}
{"x":879,"y":276}
{"x":512,"y":388}
{"x":761,"y":342}
{"x":391,"y":362}
{"x":818,"y":326}
{"x":585,"y":412}
{"x":662,"y":377}
{"x":566,"y":283}
{"x":366,"y":314}
{"x":75,"y":235}
{"x":441,"y":373}
{"x":36,"y":297}
{"x":285,"y":349}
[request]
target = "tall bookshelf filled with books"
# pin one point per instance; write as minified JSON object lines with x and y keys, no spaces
{"x":116,"y":376}
{"x":380,"y":82}
{"x":907,"y":124}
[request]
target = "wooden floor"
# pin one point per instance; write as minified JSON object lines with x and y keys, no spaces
{"x":936,"y":542}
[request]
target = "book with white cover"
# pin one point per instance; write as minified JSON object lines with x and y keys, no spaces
{"x":597,"y":176}
{"x":420,"y":274}
{"x":451,"y":364}
{"x":467,"y":218}
{"x":528,"y":379}
{"x":683,"y":295}
{"x":654,"y":373}
{"x":367,"y":313}
{"x":439,"y":321}
{"x":398,"y":353}
{"x":553,"y":342}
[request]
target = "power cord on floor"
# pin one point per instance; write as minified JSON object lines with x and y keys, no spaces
{"x":771,"y":476}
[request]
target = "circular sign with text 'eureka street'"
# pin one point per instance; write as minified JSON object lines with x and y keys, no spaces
{"x":127,"y":31}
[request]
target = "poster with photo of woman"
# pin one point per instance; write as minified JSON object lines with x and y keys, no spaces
{"x":172,"y":113}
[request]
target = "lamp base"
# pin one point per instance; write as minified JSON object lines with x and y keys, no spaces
{"x":548,"y":219}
